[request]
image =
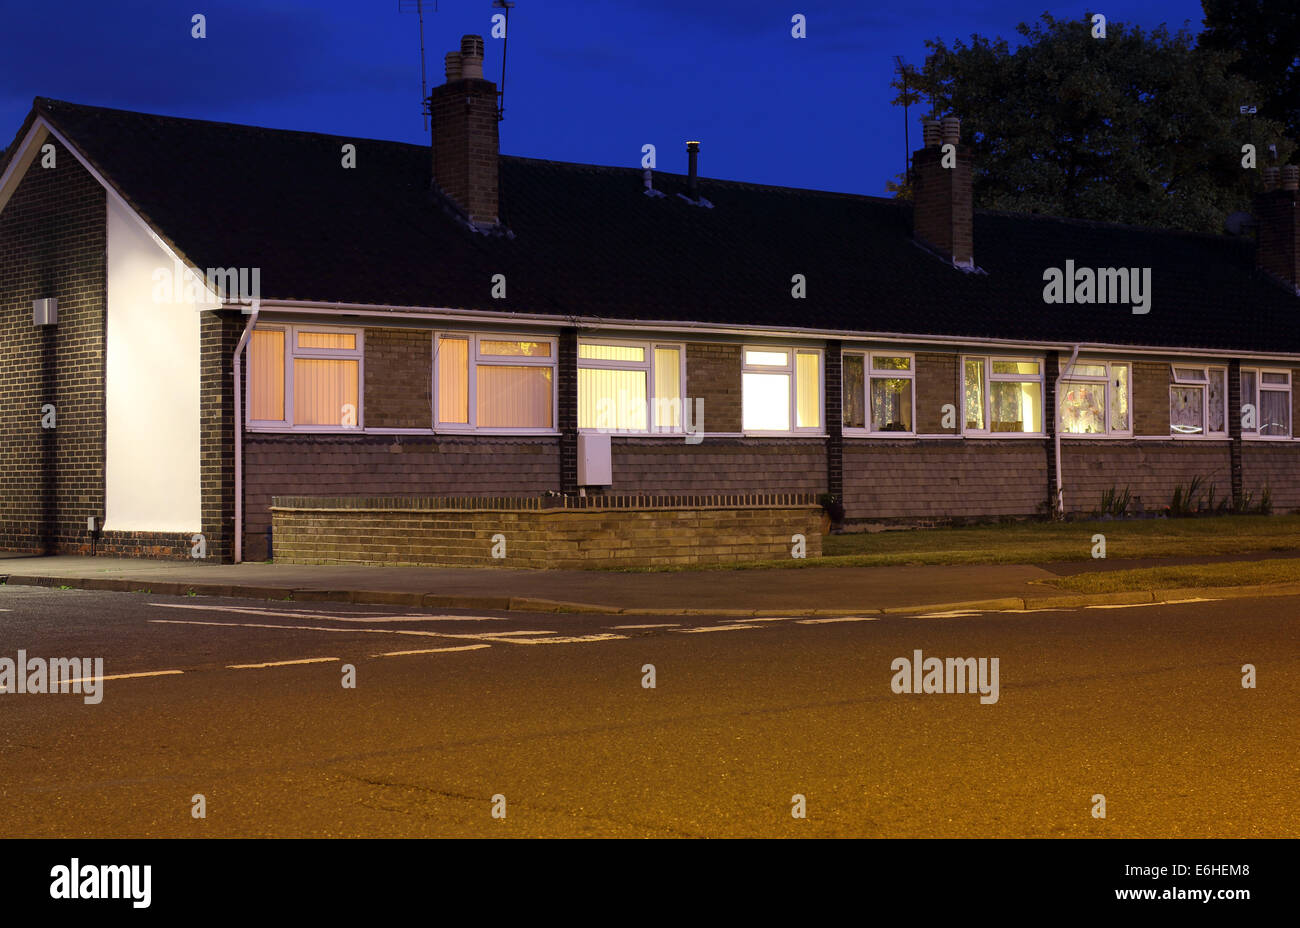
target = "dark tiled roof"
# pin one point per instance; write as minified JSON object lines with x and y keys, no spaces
{"x":587,"y":242}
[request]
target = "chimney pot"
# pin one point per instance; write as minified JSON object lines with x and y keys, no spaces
{"x":693,"y":159}
{"x":1291,"y":177}
{"x":471,"y":56}
{"x":451,"y":62}
{"x":951,"y":130}
{"x":929,"y":133}
{"x":1271,"y":177}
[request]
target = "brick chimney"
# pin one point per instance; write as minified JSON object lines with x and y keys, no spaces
{"x":466,"y":144}
{"x":941,"y":196}
{"x":1277,"y":220}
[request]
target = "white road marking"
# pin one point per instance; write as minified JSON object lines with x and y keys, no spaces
{"x":467,"y":647}
{"x":955,"y":614}
{"x":489,"y":637}
{"x":1168,"y":602}
{"x":665,"y":625}
{"x":847,"y":618}
{"x":336,"y":616}
{"x":788,"y":618}
{"x":305,"y":660}
{"x":715,"y":628}
{"x":130,"y":676}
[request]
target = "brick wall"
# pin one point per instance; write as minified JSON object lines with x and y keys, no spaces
{"x":938,"y":479}
{"x":387,"y":465}
{"x":1150,"y":398}
{"x":399,"y":378}
{"x":936,"y":387}
{"x":219,"y":335}
{"x":337,"y":531}
{"x":1149,"y":469}
{"x":52,"y":244}
{"x":719,"y":465}
{"x":713,"y":374}
{"x":1275,"y":465}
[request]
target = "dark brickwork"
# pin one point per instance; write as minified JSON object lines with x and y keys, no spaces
{"x":218,"y":411}
{"x":566,"y":393}
{"x":713,"y":375}
{"x":1051,"y":368}
{"x":52,"y":244}
{"x":1234,"y":429}
{"x":399,"y":379}
{"x":834,"y":420}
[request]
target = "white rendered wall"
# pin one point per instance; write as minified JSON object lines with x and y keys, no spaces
{"x":151,"y":390}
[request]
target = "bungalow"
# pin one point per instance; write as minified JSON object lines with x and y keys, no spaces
{"x":529,"y":329}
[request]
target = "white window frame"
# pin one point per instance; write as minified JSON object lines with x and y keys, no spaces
{"x":475,"y":358}
{"x":1075,"y":377}
{"x":1202,"y":381}
{"x":648,"y":366}
{"x":1259,"y":372}
{"x":866,"y":431}
{"x":792,"y":369}
{"x":989,"y":377}
{"x":292,"y":351}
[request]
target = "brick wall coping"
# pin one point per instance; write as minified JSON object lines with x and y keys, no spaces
{"x":609,"y":502}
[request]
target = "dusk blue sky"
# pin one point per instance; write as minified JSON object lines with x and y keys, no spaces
{"x":586,"y":81}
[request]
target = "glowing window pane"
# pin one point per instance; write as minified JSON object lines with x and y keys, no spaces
{"x":514,"y":349}
{"x":611,"y":352}
{"x":808,"y":402}
{"x":266,"y":375}
{"x":453,"y":380}
{"x":611,"y":399}
{"x":766,"y":402}
{"x":338,"y":340}
{"x":324,"y":392}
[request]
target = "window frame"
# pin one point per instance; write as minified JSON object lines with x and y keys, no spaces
{"x":1073,"y":377}
{"x":1203,"y":383}
{"x":1259,"y":372}
{"x":648,"y":366}
{"x":868,"y":355}
{"x":292,"y":352}
{"x":988,"y":360}
{"x":791,"y":368}
{"x":475,"y":357}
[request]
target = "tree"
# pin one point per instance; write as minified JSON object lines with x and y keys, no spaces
{"x":1139,"y":128}
{"x":1265,"y":37}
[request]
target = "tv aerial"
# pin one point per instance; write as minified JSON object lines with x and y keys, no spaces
{"x":507,"y":6}
{"x":418,"y":7}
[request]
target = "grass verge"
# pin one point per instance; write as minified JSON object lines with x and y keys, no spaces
{"x":1230,"y":573}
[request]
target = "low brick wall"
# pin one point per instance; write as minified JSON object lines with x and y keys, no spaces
{"x":592,"y":532}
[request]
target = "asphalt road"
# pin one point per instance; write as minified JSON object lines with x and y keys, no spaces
{"x":1143,"y":705}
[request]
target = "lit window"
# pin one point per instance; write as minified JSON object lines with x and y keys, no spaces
{"x":1266,"y":403}
{"x":495,"y":382}
{"x":1002,"y":395}
{"x":1094,"y":399}
{"x":781,"y":386}
{"x":629,"y":387}
{"x":1197,"y":401}
{"x":304,"y":377}
{"x":883,"y":384}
